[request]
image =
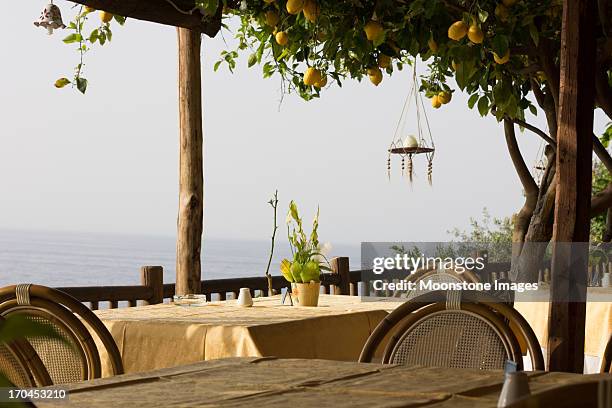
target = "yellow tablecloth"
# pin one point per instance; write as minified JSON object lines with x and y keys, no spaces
{"x":159,"y":336}
{"x":598,"y":326}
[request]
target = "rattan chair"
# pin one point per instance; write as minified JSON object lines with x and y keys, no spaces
{"x":20,"y":364}
{"x":436,"y":275}
{"x":453,"y":329}
{"x":77,"y":357}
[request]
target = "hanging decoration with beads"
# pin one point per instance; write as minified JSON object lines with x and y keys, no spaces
{"x":406,"y":144}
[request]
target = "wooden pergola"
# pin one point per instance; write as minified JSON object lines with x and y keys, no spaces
{"x":574,"y":159}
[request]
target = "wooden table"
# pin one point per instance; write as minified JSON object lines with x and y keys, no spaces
{"x":269,"y":382}
{"x":160,"y":336}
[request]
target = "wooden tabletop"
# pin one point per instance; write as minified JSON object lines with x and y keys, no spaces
{"x":271,"y":382}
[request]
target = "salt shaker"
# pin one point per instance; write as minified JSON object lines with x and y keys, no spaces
{"x":244,"y":297}
{"x":516,"y":387}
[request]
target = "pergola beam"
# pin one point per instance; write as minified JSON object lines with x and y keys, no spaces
{"x":191,"y":165}
{"x":161,"y":11}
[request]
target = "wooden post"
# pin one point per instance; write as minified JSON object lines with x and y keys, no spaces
{"x":191,"y":179}
{"x":573,"y":194}
{"x":340,"y":265}
{"x":153,"y":277}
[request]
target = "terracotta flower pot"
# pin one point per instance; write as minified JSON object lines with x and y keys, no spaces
{"x":308,"y":293}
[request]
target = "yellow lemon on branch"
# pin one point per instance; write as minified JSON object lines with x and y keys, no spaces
{"x":105,"y":16}
{"x":295,"y":6}
{"x":457,"y":30}
{"x":502,"y":60}
{"x":475,"y":34}
{"x":312,"y":76}
{"x":374,"y":30}
{"x":281,"y":38}
{"x":375,"y":75}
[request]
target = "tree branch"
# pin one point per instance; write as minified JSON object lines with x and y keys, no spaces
{"x":602,"y":153}
{"x":603,"y":92}
{"x":522,"y":170}
{"x":601,"y":201}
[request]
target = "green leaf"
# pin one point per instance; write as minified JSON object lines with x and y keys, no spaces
{"x":62,"y":82}
{"x":533,"y":110}
{"x":81,"y":84}
{"x":119,"y":19}
{"x":472,"y":101}
{"x":483,"y":15}
{"x":72,"y":38}
{"x":483,"y":106}
{"x":500,"y":45}
{"x":18,"y":326}
{"x":93,"y":37}
{"x":216,"y":66}
{"x":252,"y":60}
{"x":533,"y":32}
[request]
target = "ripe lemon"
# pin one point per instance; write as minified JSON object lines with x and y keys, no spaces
{"x":384,"y":61}
{"x":375,"y":75}
{"x":272,"y":18}
{"x":455,"y":65}
{"x":281,"y":38}
{"x":312,"y":76}
{"x":374,"y":30}
{"x":435,"y":102}
{"x":311,"y":10}
{"x":501,"y":12}
{"x":509,"y":3}
{"x":433,"y":45}
{"x":322,"y":82}
{"x":105,"y":17}
{"x":475,"y":34}
{"x":295,"y":6}
{"x":444,"y":97}
{"x":502,"y":60}
{"x":457,"y":30}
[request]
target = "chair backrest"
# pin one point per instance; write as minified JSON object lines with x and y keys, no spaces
{"x":436,"y":275}
{"x":76,"y":358}
{"x":20,"y":364}
{"x":452,"y":329}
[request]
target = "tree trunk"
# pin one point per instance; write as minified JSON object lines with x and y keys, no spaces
{"x":566,"y":321}
{"x":191,"y":179}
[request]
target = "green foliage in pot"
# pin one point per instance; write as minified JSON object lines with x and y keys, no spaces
{"x":308,"y":261}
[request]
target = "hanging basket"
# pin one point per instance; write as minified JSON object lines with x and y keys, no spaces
{"x":407,"y":145}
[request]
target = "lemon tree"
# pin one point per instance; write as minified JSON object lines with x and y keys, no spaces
{"x":504,"y":54}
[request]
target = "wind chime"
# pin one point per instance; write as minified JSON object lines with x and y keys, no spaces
{"x":50,"y":18}
{"x":407,"y":144}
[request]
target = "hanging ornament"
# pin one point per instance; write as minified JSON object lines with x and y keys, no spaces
{"x":50,"y":18}
{"x":412,"y":144}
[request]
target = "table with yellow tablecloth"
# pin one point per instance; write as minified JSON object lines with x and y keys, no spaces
{"x":598,"y":325}
{"x":166,"y":335}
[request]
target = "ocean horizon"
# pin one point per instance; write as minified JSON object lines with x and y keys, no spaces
{"x":55,"y":258}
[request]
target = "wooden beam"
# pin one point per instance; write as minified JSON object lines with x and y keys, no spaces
{"x":573,"y":195}
{"x":162,"y":12}
{"x":191,"y":178}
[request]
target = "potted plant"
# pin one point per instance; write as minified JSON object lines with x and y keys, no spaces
{"x":308,"y":261}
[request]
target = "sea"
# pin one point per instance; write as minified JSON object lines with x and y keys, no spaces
{"x":95,"y":259}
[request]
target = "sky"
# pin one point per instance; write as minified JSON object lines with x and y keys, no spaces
{"x":107,"y":161}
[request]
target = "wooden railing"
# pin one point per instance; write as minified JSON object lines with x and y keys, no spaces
{"x":149,"y":292}
{"x":341,"y":281}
